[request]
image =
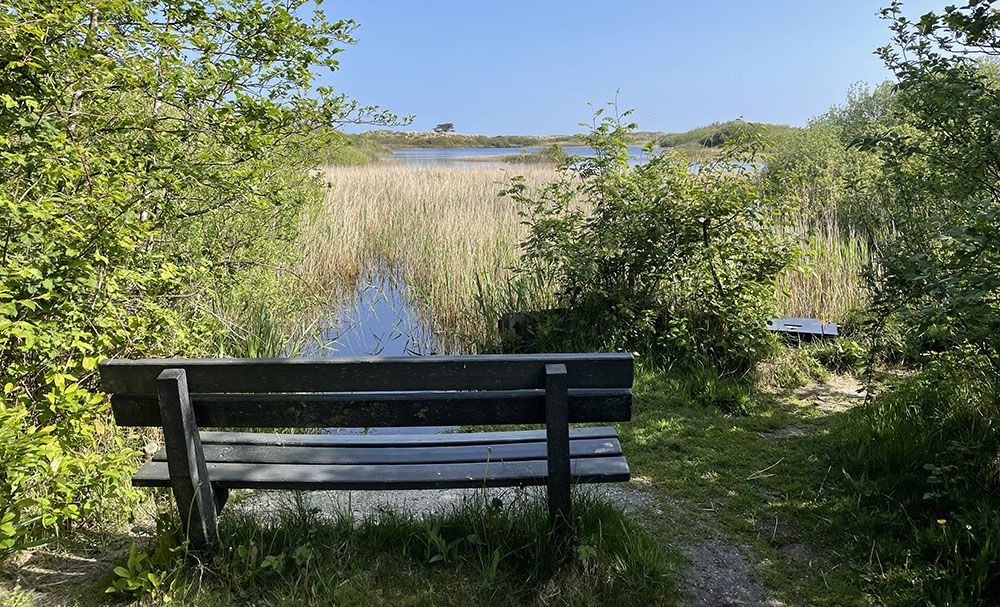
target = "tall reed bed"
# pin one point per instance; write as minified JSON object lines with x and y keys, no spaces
{"x":446,"y":231}
{"x":448,"y":234}
{"x":827,"y":284}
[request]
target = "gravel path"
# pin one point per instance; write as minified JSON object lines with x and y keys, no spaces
{"x":720,"y":576}
{"x":360,"y":504}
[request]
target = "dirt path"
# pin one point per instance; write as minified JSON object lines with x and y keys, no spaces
{"x":720,"y":573}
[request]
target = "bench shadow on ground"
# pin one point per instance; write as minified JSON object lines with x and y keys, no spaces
{"x":54,"y":576}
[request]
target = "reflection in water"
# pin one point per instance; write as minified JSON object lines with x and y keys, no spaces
{"x":380,"y":320}
{"x":467,"y":158}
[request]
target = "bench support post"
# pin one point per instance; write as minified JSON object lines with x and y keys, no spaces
{"x":557,"y":435}
{"x":186,"y":460}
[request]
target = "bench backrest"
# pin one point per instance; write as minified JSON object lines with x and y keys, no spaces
{"x":374,"y":391}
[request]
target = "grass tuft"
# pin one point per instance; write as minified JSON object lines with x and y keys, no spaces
{"x":483,"y":552}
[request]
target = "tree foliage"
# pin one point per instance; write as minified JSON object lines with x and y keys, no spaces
{"x":924,"y":456}
{"x":942,"y":271}
{"x":148,"y":157}
{"x":833,"y":182}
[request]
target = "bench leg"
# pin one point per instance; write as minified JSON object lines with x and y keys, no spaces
{"x":186,"y":460}
{"x":557,"y":439}
{"x":221,"y":497}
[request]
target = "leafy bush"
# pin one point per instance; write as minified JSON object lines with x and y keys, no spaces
{"x":940,"y":274}
{"x":150,"y":160}
{"x":924,"y":459}
{"x":657,"y":257}
{"x":942,"y":288}
{"x":829,"y":178}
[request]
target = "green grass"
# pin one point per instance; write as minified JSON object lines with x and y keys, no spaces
{"x":481,"y":553}
{"x":762,"y":481}
{"x":924,"y":463}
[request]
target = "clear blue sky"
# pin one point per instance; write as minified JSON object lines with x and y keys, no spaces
{"x":523,"y":67}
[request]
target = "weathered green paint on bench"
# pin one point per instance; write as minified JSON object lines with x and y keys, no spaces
{"x":370,"y":374}
{"x":184,"y":395}
{"x":380,"y":409}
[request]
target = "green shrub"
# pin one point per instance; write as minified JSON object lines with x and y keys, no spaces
{"x":923,"y":458}
{"x":843,"y":355}
{"x":830,"y":179}
{"x":133,"y":193}
{"x":944,"y":418}
{"x":924,"y":461}
{"x":72,"y":470}
{"x":655,"y":257}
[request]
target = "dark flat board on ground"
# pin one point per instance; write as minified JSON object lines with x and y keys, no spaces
{"x":803,"y":327}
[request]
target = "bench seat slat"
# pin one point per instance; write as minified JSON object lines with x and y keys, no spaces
{"x":262,"y":454}
{"x":388,"y":477}
{"x":396,"y":440}
{"x":379,"y":409}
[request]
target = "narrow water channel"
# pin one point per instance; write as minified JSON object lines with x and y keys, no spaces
{"x":381,"y":319}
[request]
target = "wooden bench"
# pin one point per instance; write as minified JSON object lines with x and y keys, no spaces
{"x":184,"y":395}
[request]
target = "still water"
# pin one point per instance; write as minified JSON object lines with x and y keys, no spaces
{"x":483,"y":157}
{"x":382,"y":318}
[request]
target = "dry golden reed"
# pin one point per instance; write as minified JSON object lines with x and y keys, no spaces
{"x":439,"y":227}
{"x":828,"y":282}
{"x":443,"y":229}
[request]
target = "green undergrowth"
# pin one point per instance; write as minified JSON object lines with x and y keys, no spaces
{"x":351,"y":150}
{"x":924,"y":462}
{"x":483,"y":552}
{"x":753,"y":466}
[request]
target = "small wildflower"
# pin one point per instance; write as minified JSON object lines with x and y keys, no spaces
{"x":968,"y":527}
{"x":941,"y":521}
